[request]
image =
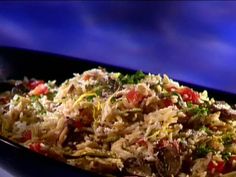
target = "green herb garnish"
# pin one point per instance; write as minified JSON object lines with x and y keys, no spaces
{"x":226,"y":155}
{"x":113,"y":100}
{"x":203,"y":150}
{"x":189,"y":104}
{"x":90,"y":98}
{"x":37,"y":105}
{"x":227,"y":139}
{"x":131,"y":79}
{"x":34,"y":98}
{"x":206,"y":129}
{"x":199,"y":111}
{"x":98,"y":92}
{"x":51,"y":95}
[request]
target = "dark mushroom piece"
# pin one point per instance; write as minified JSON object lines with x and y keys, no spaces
{"x":231,"y":114}
{"x":226,"y":110}
{"x":221,"y":105}
{"x":19,"y":88}
{"x":168,"y":162}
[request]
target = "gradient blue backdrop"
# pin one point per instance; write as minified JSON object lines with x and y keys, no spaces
{"x":191,"y":41}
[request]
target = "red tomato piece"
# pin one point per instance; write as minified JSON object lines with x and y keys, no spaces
{"x":87,"y":77}
{"x":171,"y":89}
{"x":167,"y":102}
{"x":41,"y":89}
{"x":216,"y":167}
{"x":32,"y":84}
{"x":230,"y":164}
{"x":232,"y":159}
{"x":36,"y":147}
{"x":26,"y":135}
{"x":134,"y":97}
{"x":189,"y":95}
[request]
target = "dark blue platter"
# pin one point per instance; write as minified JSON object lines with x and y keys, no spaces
{"x":15,"y":63}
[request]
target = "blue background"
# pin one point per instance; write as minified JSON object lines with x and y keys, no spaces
{"x":189,"y":40}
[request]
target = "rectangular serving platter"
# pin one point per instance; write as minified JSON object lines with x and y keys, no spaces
{"x":15,"y":63}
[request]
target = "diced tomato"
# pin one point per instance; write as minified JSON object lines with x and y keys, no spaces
{"x":189,"y":95}
{"x":41,"y":89}
{"x":167,"y":102}
{"x":171,"y":89}
{"x":230,"y":164}
{"x":134,"y":97}
{"x":36,"y":147}
{"x":186,"y":93}
{"x":26,"y":135}
{"x":232,"y":159}
{"x":216,"y":167}
{"x":87,"y":77}
{"x":32,"y":84}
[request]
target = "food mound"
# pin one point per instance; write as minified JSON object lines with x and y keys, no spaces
{"x":109,"y":123}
